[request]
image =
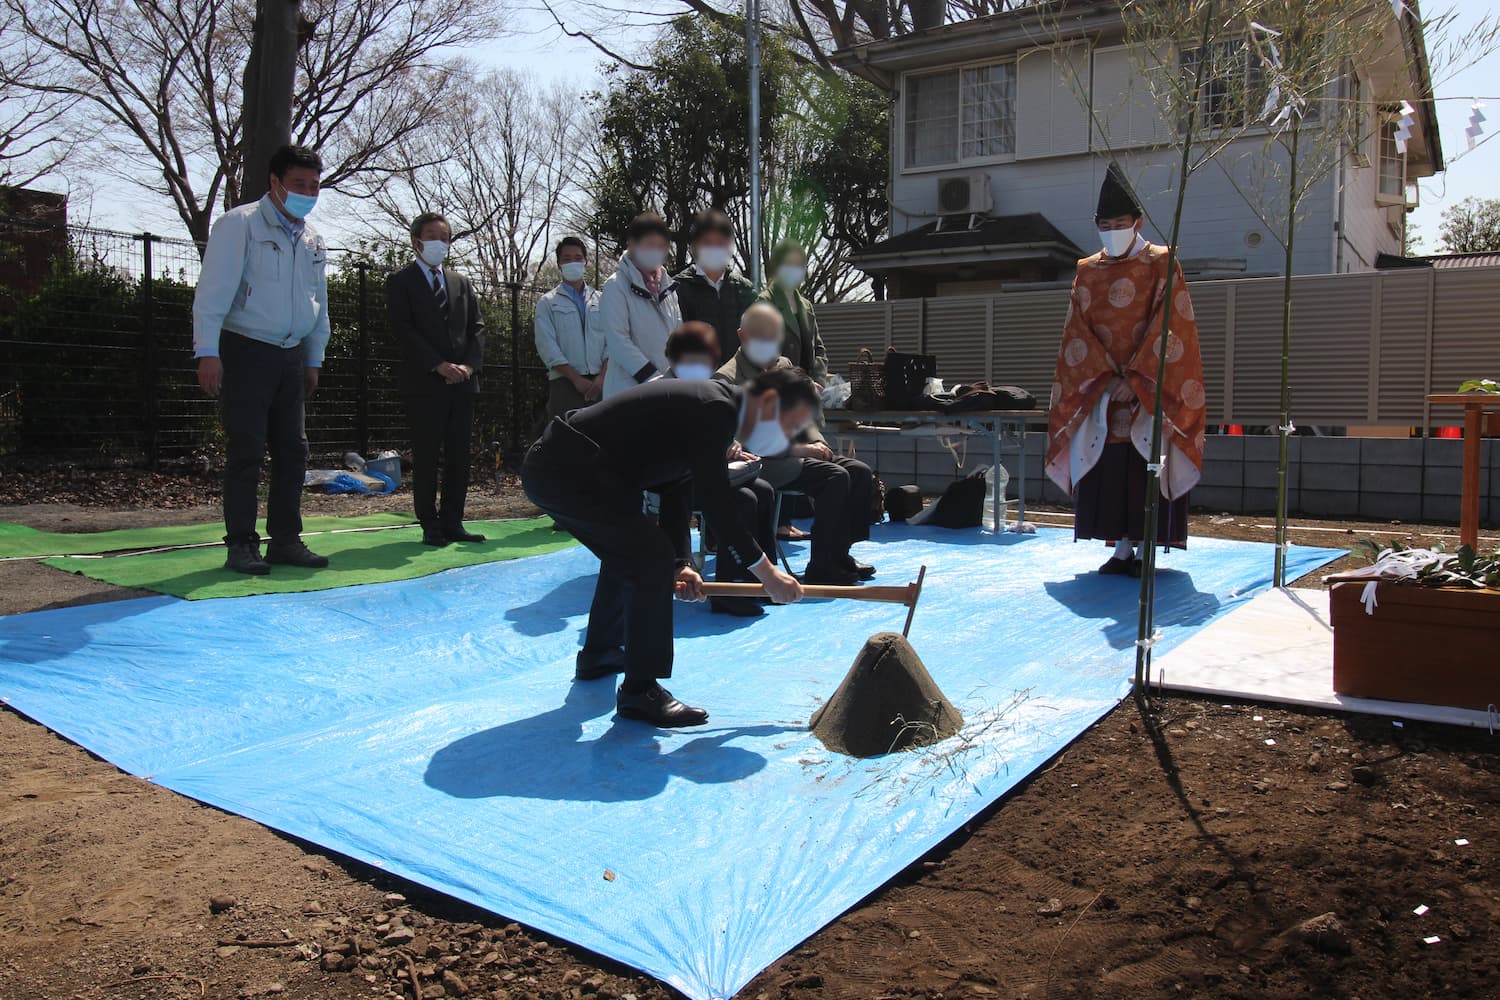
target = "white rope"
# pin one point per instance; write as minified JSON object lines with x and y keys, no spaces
{"x":1288,"y":428}
{"x":1148,"y":643}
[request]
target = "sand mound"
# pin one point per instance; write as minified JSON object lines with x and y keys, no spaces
{"x":887,"y":702}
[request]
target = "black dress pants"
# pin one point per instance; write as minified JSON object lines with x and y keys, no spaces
{"x":754,"y":501}
{"x":632,"y":604}
{"x":840,"y":493}
{"x":441,"y":425}
{"x":261,"y":405}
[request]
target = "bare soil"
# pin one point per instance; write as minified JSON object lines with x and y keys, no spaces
{"x":1163,"y":854}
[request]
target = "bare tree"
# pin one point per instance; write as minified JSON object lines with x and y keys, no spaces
{"x":34,"y":137}
{"x":499,"y":161}
{"x":161,"y":80}
{"x":816,"y":28}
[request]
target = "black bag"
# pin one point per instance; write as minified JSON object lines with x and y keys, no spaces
{"x":962,"y":503}
{"x":902,"y":502}
{"x":980,"y":397}
{"x":906,"y":378}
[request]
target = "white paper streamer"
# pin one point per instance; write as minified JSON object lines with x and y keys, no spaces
{"x":1403,"y":126}
{"x":1476,"y":123}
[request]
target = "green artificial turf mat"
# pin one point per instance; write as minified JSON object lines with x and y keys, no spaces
{"x":19,"y":541}
{"x":354,"y":558}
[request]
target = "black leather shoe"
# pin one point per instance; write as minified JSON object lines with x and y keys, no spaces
{"x":435,"y":538}
{"x":863,"y":570}
{"x":830,"y":576}
{"x":592,"y":664}
{"x":462,"y":536}
{"x":657,"y":706}
{"x":294,"y":553}
{"x":1115,"y":566}
{"x":739,"y":607}
{"x":244,"y":557}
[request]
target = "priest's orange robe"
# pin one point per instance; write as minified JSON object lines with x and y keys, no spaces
{"x":1114,"y":327}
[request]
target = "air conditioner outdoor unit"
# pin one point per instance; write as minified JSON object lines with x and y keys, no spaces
{"x":964,"y":194}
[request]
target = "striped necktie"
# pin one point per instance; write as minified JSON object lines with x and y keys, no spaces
{"x":439,"y":293}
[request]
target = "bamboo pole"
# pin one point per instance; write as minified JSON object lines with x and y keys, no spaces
{"x":1146,"y":618}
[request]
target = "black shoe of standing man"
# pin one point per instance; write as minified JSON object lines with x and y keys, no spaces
{"x":593,"y":664}
{"x":830,"y":576}
{"x":657,"y":706}
{"x":434,"y":537}
{"x":863,"y":570}
{"x":294,"y":553}
{"x":244,"y":557}
{"x":459,"y":534}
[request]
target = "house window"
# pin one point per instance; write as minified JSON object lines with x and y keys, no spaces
{"x":1358,"y":120}
{"x":1234,"y":85}
{"x":963,"y":114}
{"x":1392,"y":189}
{"x":989,"y":108}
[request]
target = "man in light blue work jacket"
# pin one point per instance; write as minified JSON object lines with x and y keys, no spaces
{"x":260,"y":325}
{"x":572,"y":351}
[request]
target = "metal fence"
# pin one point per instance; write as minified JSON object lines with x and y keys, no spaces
{"x":1367,"y":348}
{"x":96,"y":354}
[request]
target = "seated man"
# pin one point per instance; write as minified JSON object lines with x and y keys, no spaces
{"x":692,"y":354}
{"x":839,"y":487}
{"x":588,"y":471}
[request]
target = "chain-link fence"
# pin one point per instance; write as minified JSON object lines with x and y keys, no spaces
{"x":96,"y":355}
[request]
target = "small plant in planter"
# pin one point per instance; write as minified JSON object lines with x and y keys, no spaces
{"x":1487,"y":386}
{"x":1432,"y":567}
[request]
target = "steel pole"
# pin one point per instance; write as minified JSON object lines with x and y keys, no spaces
{"x":752,"y":49}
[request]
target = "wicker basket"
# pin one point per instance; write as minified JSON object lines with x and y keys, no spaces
{"x":866,"y":382}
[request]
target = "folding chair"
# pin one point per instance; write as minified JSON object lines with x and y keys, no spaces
{"x":776,"y":524}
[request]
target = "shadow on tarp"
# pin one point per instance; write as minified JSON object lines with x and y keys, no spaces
{"x":626,"y":763}
{"x":1179,"y":602}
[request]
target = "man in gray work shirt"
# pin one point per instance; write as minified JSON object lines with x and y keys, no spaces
{"x":260,"y":325}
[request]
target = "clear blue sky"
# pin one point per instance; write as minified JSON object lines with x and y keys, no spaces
{"x":1469,"y":173}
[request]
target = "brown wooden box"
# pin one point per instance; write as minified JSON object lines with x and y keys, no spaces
{"x":1436,"y":646}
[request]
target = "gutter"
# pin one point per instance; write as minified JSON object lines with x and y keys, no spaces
{"x":1038,"y":25}
{"x":940,"y":253}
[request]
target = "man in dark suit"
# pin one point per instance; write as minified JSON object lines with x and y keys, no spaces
{"x":670,"y":437}
{"x":434,"y":316}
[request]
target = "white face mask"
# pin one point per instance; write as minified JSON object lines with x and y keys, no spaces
{"x":573,"y":270}
{"x":762,"y":352}
{"x":433,"y":252}
{"x":767,"y":438}
{"x":790,"y":275}
{"x":693,"y":371}
{"x":648,"y":260}
{"x":712,"y":258}
{"x":1117,"y":242}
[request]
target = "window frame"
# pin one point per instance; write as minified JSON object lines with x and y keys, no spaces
{"x":1255,"y":98}
{"x":1362,"y":113}
{"x":959,"y":162}
{"x":1389,"y":117}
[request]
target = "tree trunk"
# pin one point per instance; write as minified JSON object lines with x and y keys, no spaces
{"x":270,"y":73}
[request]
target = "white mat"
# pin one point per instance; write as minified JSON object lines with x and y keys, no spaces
{"x":1279,"y":647}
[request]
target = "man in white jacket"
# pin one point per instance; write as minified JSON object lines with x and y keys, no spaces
{"x":568,"y":344}
{"x":637,"y":306}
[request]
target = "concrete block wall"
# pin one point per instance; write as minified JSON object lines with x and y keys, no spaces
{"x":1400,"y":479}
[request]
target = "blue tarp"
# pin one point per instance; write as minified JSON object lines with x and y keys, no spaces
{"x":429,"y":727}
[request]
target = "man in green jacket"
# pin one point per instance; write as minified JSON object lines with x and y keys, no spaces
{"x":709,"y":290}
{"x":802,"y":345}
